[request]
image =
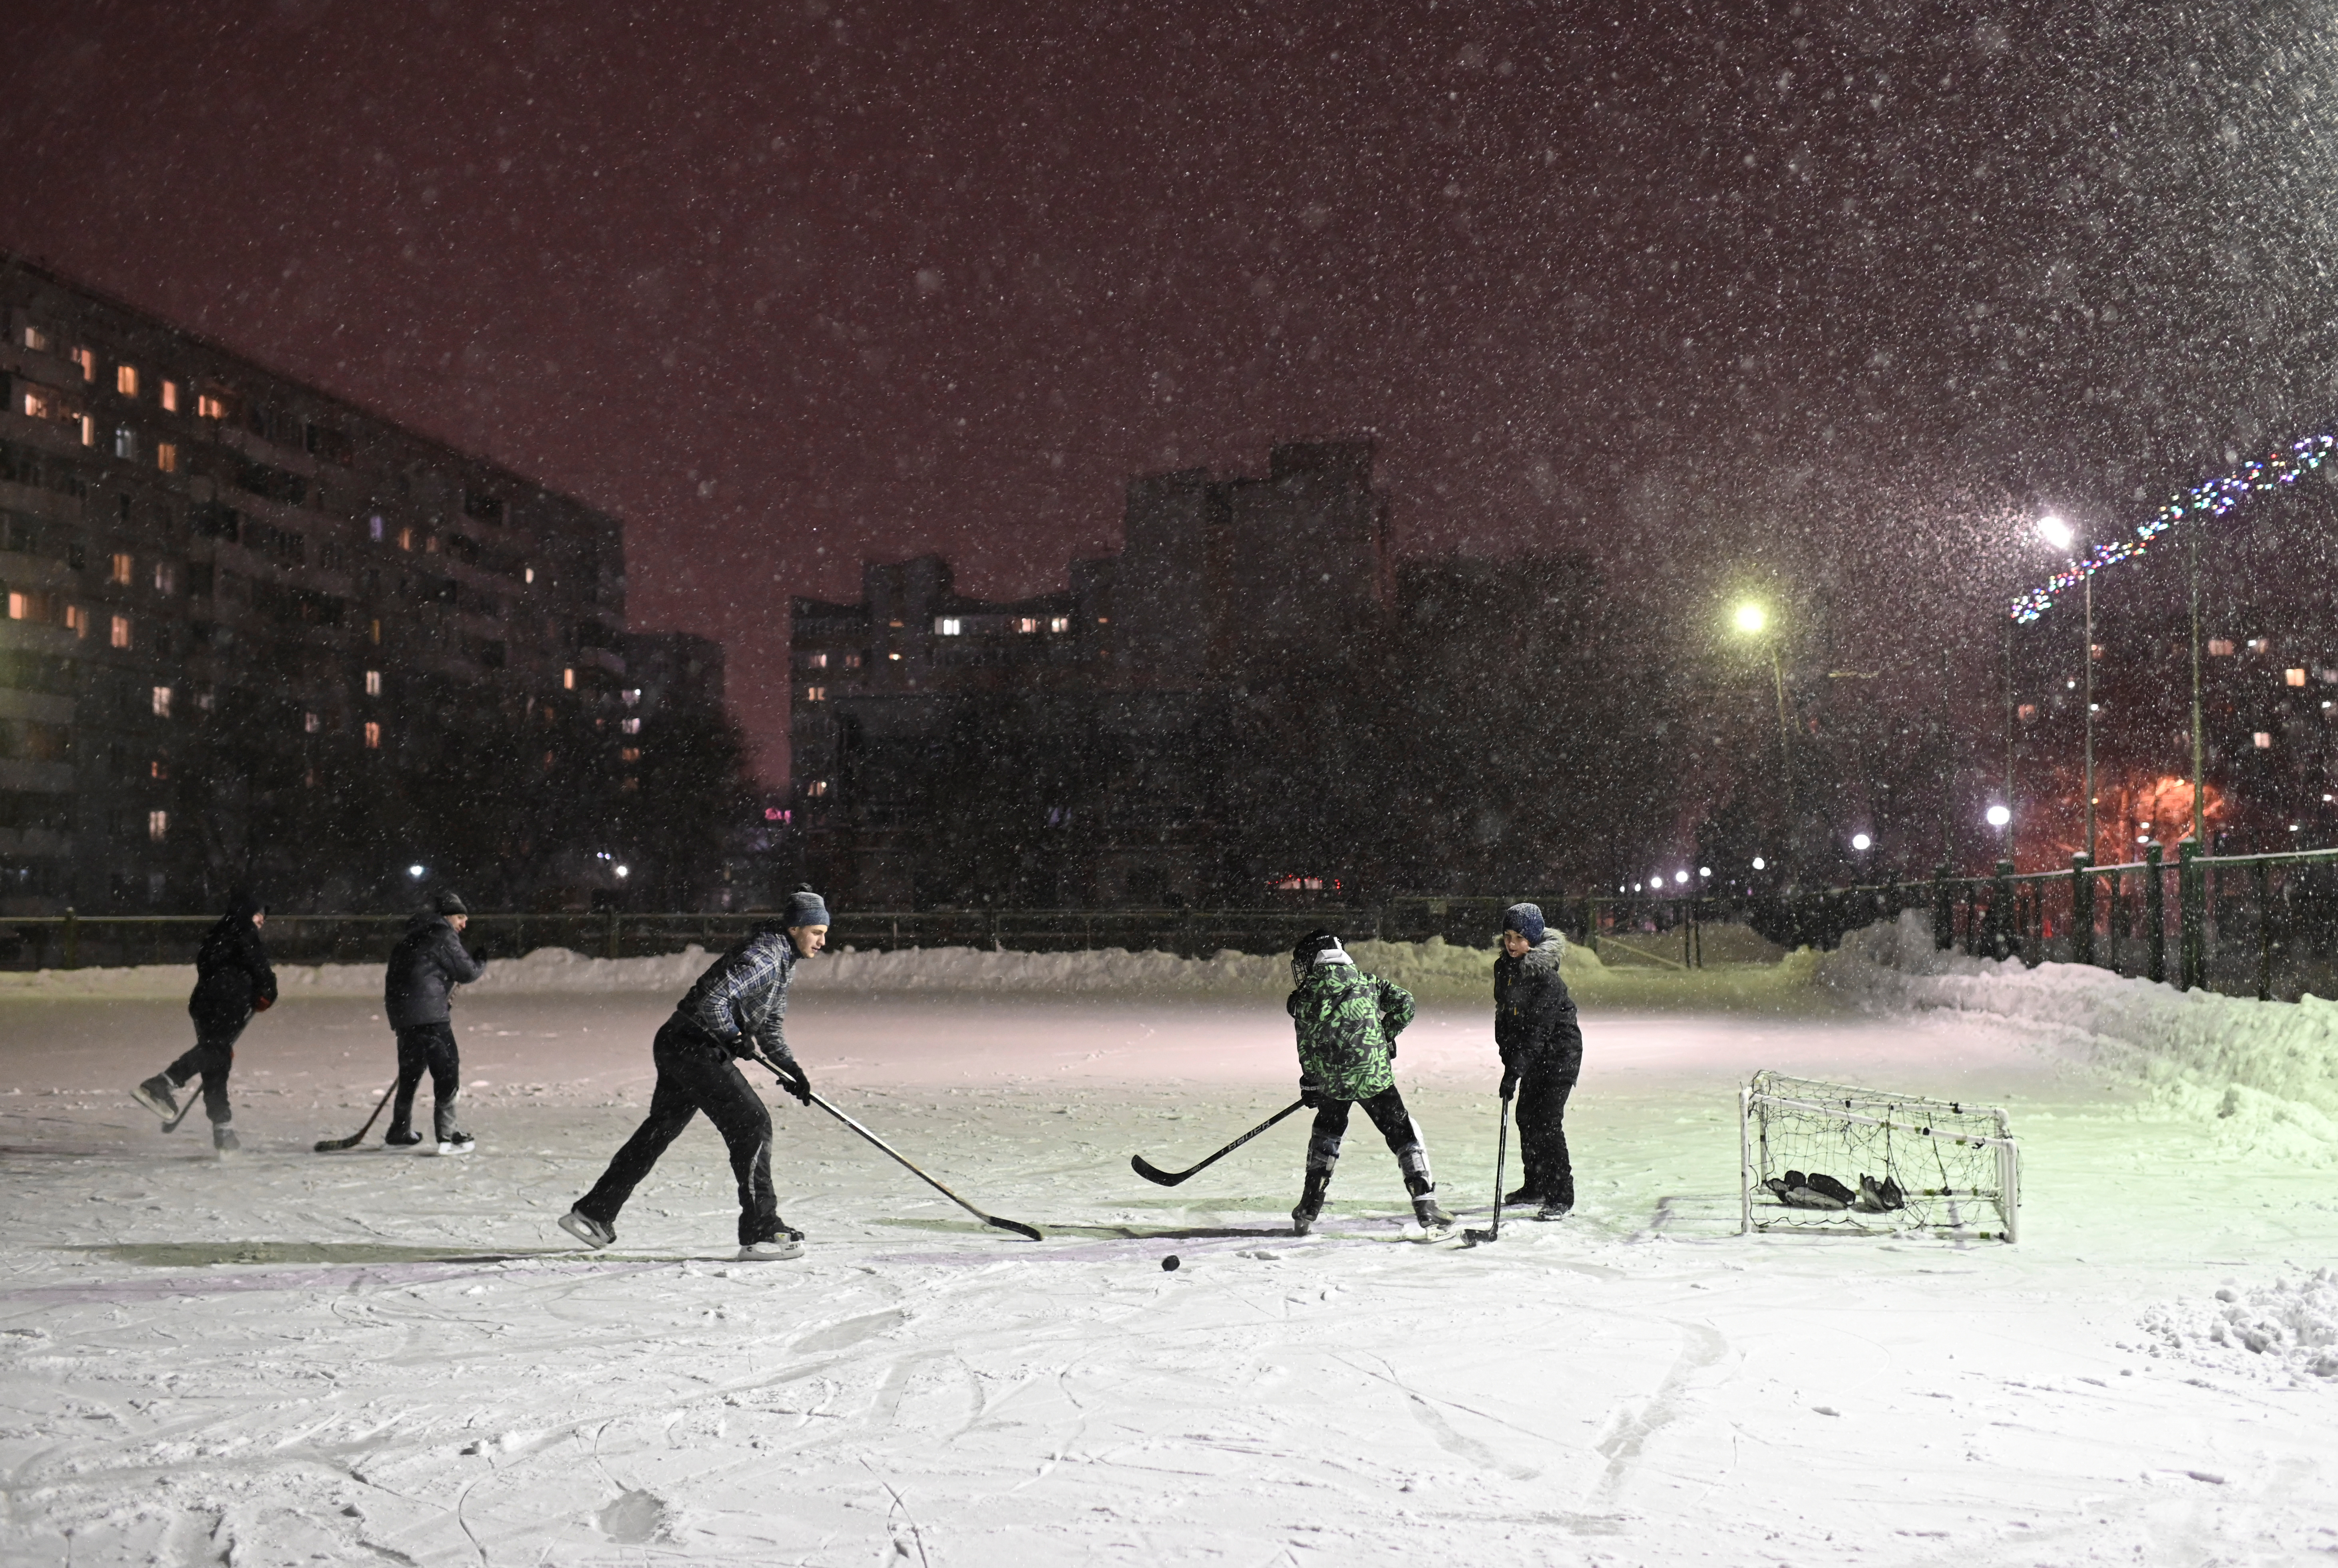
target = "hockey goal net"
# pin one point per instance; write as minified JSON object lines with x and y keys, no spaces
{"x":1830,"y":1157}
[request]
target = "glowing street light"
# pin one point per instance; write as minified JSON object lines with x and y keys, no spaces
{"x":1759,"y":864}
{"x":2055,"y":532}
{"x":415,"y":871}
{"x":1861,"y":841}
{"x":1751,"y":618}
{"x":1998,"y":815}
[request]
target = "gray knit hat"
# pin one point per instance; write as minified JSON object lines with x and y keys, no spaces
{"x":806,"y":908}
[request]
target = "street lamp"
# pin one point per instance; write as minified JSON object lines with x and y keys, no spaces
{"x":1753,"y":620}
{"x":1998,"y":815}
{"x":1861,"y":841}
{"x":2059,"y":534}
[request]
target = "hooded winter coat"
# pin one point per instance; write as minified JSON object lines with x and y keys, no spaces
{"x":1535,"y":1025}
{"x":428,"y":962}
{"x":741,"y":1003}
{"x":1347,"y":1023}
{"x":233,"y":979}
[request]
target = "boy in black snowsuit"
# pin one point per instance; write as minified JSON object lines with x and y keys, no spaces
{"x":1542,"y":1044}
{"x":234,"y":980}
{"x":737,"y":1010}
{"x":428,"y":962}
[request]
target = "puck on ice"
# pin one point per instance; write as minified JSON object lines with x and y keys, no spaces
{"x":1169,"y":1264}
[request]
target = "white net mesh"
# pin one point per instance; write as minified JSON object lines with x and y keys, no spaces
{"x":1832,"y":1157}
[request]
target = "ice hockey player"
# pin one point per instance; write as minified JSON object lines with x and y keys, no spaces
{"x":428,"y":962}
{"x":1542,"y":1044}
{"x":1348,"y":1022}
{"x":736,"y":1010}
{"x":234,"y":980}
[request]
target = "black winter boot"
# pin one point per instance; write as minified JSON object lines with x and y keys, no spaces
{"x":1311,"y":1202}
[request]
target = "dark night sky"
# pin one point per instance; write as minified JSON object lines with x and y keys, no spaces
{"x":1826,"y":296}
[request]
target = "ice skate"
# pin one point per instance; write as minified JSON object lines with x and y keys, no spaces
{"x":224,"y":1141}
{"x":156,"y":1096}
{"x":401,"y":1138}
{"x":587,"y":1228}
{"x":1519,"y":1198}
{"x":456,"y":1142}
{"x":1435,"y":1223}
{"x":1554,"y":1209}
{"x":779,"y":1250}
{"x":1302,"y":1219}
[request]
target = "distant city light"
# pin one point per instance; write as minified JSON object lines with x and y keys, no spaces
{"x":415,"y":872}
{"x":625,"y":870}
{"x":1679,"y":876}
{"x":1998,"y":815}
{"x":1704,"y":870}
{"x":1751,"y":618}
{"x":1759,"y":863}
{"x":2055,"y":532}
{"x":1861,"y":841}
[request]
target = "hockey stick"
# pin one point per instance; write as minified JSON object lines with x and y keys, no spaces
{"x":328,"y":1145}
{"x":193,"y":1099}
{"x":1501,"y":1153}
{"x":1151,"y":1173}
{"x":1017,"y":1226}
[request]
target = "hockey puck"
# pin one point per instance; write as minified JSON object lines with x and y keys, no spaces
{"x":1169,"y":1264}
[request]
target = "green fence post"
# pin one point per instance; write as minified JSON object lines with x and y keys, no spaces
{"x":1944,"y":910}
{"x":2190,"y":917}
{"x":2082,"y":908}
{"x":2154,"y":911}
{"x":2263,"y":879}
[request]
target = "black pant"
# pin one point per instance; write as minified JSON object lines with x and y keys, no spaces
{"x":213,"y":1056}
{"x":693,"y":1075}
{"x":1541,"y":1112}
{"x":1395,"y":1125}
{"x":431,"y":1046}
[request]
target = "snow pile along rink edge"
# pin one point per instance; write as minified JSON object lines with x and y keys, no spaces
{"x":2287,"y":1328}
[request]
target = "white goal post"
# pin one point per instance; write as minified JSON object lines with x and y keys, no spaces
{"x":1835,"y":1159}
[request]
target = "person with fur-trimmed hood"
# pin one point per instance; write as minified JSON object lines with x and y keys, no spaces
{"x":1347,"y":1023}
{"x":234,"y":980}
{"x":736,"y":1012}
{"x":428,"y":962}
{"x":1541,"y":1042}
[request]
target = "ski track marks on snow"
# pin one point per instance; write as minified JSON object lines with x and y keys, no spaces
{"x":372,"y":1357}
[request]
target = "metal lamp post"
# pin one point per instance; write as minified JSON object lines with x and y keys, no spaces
{"x":2059,"y":534}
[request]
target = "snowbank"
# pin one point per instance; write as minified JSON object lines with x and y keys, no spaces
{"x":2269,"y":1070}
{"x":2286,"y":1329}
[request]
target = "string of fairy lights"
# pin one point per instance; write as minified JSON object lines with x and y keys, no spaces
{"x":2211,"y":498}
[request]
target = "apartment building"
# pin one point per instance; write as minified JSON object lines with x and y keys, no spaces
{"x":255,"y":632}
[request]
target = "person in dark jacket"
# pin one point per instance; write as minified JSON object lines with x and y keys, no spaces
{"x":1347,"y":1023}
{"x":234,"y":980}
{"x":736,"y":1012}
{"x":1542,"y":1044}
{"x":428,"y":962}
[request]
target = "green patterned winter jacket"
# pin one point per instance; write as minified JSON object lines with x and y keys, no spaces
{"x":1347,"y":1023}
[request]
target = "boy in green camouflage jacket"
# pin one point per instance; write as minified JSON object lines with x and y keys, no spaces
{"x":1348,"y":1022}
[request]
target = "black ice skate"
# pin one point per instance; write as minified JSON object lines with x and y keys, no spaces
{"x":455,"y":1142}
{"x":224,"y":1141}
{"x":1519,"y":1198}
{"x":401,"y":1137}
{"x":1311,"y":1202}
{"x":776,"y":1251}
{"x":1435,"y":1223}
{"x":156,"y":1096}
{"x":1554,"y":1209}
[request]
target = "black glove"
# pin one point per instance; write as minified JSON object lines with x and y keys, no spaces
{"x":1311,"y":1096}
{"x":792,"y":1079}
{"x":1509,"y":1082}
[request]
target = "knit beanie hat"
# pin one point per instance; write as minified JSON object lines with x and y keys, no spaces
{"x":243,"y":903}
{"x":1525,"y":919}
{"x":806,"y":908}
{"x":450,"y":902}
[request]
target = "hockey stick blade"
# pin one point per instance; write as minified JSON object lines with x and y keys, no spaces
{"x":1151,"y":1173}
{"x":1029,"y":1232}
{"x":334,"y":1145}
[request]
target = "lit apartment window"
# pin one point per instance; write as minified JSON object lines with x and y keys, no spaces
{"x":158,"y":769}
{"x":2295,"y":677}
{"x":629,"y":726}
{"x":2221,"y":646}
{"x":1027,"y":624}
{"x":815,"y":660}
{"x":166,"y":577}
{"x":373,"y":735}
{"x":310,"y":723}
{"x":2028,"y":712}
{"x":77,"y":620}
{"x":852,"y":661}
{"x":37,"y":340}
{"x":23,"y":606}
{"x":1059,"y":623}
{"x":121,"y":636}
{"x":158,"y":826}
{"x":896,"y":658}
{"x":815,"y":693}
{"x":88,"y":430}
{"x":121,"y":570}
{"x":2260,"y":644}
{"x":87,"y":360}
{"x":40,"y":402}
{"x":207,"y":406}
{"x":170,"y":397}
{"x":125,"y":381}
{"x":373,"y":682}
{"x":203,"y":700}
{"x":949,"y":625}
{"x":527,"y":574}
{"x":816,"y":789}
{"x":373,"y":527}
{"x":631,"y":696}
{"x":166,"y":457}
{"x":162,"y":701}
{"x":406,"y":538}
{"x":373,"y":631}
{"x":629,"y":754}
{"x":568,"y":680}
{"x":2264,"y":740}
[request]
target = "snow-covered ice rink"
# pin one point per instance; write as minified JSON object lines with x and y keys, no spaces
{"x":383,"y":1357}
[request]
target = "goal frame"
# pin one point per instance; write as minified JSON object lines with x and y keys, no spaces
{"x":1904,"y":1116}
